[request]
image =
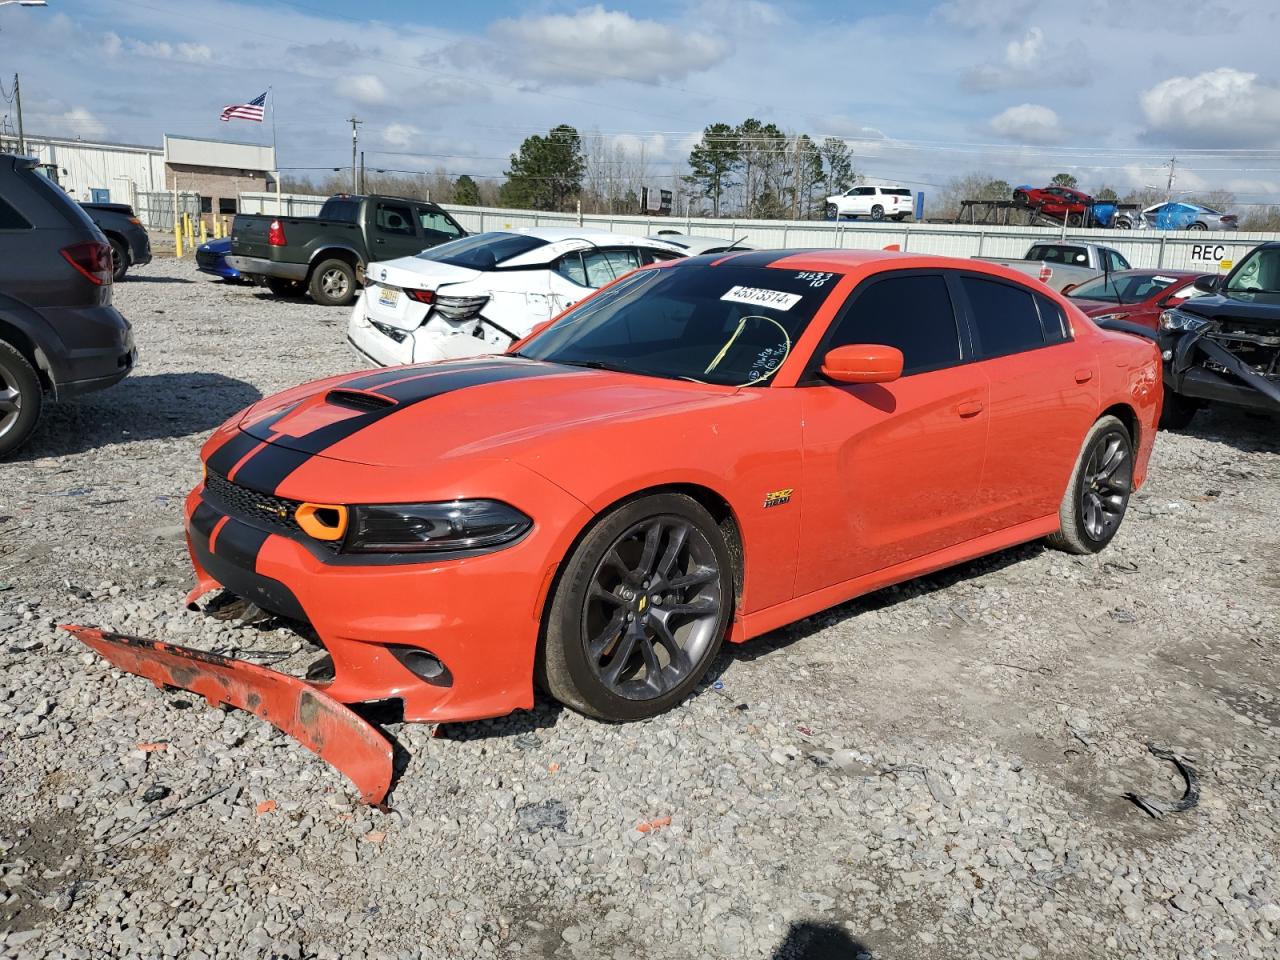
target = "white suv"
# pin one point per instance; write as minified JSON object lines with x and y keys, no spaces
{"x":876,"y":202}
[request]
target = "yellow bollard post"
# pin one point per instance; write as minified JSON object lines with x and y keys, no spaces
{"x":217,"y":229}
{"x":191,"y":236}
{"x":204,"y":238}
{"x":177,"y":238}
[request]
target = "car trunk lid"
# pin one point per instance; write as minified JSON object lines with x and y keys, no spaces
{"x":393,"y":296}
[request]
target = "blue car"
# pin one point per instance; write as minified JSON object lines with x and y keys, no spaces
{"x":211,"y":258}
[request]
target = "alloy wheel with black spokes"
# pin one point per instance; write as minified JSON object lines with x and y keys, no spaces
{"x":640,"y":611}
{"x":1098,"y":495}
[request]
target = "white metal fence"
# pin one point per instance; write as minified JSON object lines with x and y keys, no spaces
{"x":156,"y":209}
{"x":1169,"y":250}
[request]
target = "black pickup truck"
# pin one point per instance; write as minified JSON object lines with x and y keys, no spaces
{"x":130,"y":244}
{"x":1225,"y":347}
{"x":326,"y":255}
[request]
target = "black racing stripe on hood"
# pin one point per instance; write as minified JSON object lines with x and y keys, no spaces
{"x":372,"y":381}
{"x":238,"y":543}
{"x":267,"y":468}
{"x":232,"y":452}
{"x":755,"y":258}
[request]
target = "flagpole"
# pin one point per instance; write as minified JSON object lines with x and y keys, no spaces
{"x":275,"y":150}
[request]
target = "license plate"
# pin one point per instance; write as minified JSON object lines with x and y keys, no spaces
{"x":388,"y":296}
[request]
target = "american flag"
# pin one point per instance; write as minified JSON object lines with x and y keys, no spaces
{"x":253,"y":110}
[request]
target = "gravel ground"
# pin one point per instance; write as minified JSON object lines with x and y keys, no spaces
{"x":934,"y":771}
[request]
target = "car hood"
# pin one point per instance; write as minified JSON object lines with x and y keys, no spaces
{"x":1262,"y":310}
{"x":490,"y":408}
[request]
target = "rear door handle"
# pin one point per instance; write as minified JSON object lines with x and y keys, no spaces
{"x":969,"y":408}
{"x":1084,"y":375}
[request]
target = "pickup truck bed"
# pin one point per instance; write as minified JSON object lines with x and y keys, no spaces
{"x":1061,"y":264}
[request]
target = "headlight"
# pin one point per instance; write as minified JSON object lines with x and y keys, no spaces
{"x":1176,"y":319}
{"x":434,"y":527}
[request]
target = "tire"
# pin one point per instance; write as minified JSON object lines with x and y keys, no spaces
{"x":119,"y":260}
{"x":1020,"y":197}
{"x":284,"y":288}
{"x":877,"y":212}
{"x":21,"y":397}
{"x":1075,"y":219}
{"x":833,"y":212}
{"x":1123,"y":225}
{"x":333,"y":283}
{"x":610,"y":562}
{"x":1198,"y":226}
{"x":899,"y":217}
{"x":1178,"y":411}
{"x":1093,"y":507}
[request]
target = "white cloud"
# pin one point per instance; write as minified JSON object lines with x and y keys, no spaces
{"x":1023,"y":54}
{"x":400,"y":134}
{"x":111,"y":44}
{"x":598,"y":44}
{"x":163,"y":50}
{"x":363,"y":88}
{"x":81,"y":123}
{"x":1028,"y":123}
{"x":1224,"y":108}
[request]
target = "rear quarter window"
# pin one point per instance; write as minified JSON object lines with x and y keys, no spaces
{"x":1005,"y":318}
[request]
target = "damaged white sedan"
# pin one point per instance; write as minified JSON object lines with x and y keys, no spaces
{"x":481,"y":293}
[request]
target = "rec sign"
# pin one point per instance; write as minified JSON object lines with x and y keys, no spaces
{"x":1215,"y":252}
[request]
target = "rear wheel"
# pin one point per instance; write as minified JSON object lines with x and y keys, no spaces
{"x":333,"y":283}
{"x":1177,"y":412}
{"x":640,"y":610}
{"x":833,"y":212}
{"x":119,"y":260}
{"x":1198,"y":226}
{"x":284,"y":288}
{"x":21,"y":397}
{"x":877,"y":212}
{"x":899,"y":217}
{"x":1098,"y":494}
{"x":1020,"y":197}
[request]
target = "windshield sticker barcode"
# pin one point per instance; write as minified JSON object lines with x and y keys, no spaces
{"x":774,"y":299}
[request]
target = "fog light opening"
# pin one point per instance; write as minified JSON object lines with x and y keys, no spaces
{"x":424,"y":665}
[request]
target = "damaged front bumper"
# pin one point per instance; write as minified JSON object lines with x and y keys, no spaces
{"x":324,"y":726}
{"x":1224,"y":364}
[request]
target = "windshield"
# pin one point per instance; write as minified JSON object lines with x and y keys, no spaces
{"x":1057,"y":253}
{"x":1259,"y":272}
{"x":1122,"y":288}
{"x":730,"y":325}
{"x":483,"y":251}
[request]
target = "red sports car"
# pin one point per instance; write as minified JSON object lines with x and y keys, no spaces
{"x":1054,"y":201}
{"x":1135,"y":296}
{"x":702,"y":450}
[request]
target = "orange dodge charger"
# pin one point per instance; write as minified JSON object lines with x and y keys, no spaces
{"x":706,"y":448}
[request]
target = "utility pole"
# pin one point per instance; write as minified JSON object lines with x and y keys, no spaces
{"x":1173,"y":177}
{"x":355,"y":184}
{"x":17,"y":102}
{"x":362,"y":178}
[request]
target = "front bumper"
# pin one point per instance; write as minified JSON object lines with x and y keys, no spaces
{"x":1185,"y":374}
{"x":479,"y":615}
{"x":321,"y":724}
{"x":262,"y":267}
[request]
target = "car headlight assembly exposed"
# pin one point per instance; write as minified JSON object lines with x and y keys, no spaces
{"x":1180,"y":320}
{"x":459,"y":525}
{"x":459,"y":308}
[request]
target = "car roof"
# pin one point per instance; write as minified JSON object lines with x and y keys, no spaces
{"x":556,"y":234}
{"x":694,"y":243}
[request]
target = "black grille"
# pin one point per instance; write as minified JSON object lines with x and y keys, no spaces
{"x":256,"y":509}
{"x":204,"y":259}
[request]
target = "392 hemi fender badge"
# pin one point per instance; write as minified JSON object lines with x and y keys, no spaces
{"x":776,"y":498}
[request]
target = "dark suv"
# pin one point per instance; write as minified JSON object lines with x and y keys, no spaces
{"x":59,"y":333}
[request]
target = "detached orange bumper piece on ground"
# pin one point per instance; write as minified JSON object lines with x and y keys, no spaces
{"x":336,"y":734}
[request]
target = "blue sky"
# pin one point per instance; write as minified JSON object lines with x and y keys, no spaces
{"x":924,"y":89}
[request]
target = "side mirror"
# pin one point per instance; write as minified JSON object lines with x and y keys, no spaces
{"x":1207,"y":284}
{"x":863,"y":363}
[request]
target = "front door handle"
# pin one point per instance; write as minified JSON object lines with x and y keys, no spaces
{"x":969,"y":408}
{"x":1084,"y":375}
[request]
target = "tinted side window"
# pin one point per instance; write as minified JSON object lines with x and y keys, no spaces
{"x":1052,"y":320}
{"x":1005,"y":318}
{"x":606,"y":266}
{"x":570,"y":266}
{"x":393,"y":218}
{"x":11,"y":219}
{"x":436,"y":225}
{"x":911,"y":313}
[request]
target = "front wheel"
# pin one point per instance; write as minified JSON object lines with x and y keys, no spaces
{"x":877,"y":212}
{"x":333,"y":284}
{"x":640,"y":610}
{"x":1098,"y":494}
{"x":119,"y":260}
{"x":833,"y":212}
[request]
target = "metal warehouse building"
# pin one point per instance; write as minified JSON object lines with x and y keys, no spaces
{"x":103,"y":172}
